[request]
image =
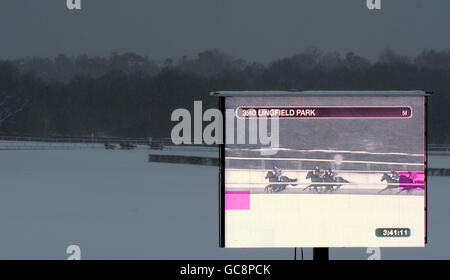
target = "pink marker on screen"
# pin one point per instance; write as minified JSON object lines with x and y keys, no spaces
{"x":237,"y":200}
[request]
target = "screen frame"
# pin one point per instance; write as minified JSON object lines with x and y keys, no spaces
{"x":222,"y":101}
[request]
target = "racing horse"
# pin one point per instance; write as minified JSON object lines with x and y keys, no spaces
{"x":336,"y":179}
{"x":315,"y":178}
{"x":389,"y":180}
{"x":278,"y":187}
{"x":406,"y":183}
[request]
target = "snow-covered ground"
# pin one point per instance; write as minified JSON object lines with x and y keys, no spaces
{"x":201,"y":151}
{"x":117,"y":205}
{"x":198,"y":151}
{"x":36,"y":145}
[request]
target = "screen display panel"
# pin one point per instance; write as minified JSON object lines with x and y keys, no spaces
{"x":324,"y":171}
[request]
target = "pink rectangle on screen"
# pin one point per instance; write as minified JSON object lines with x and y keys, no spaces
{"x":237,"y":200}
{"x":412,"y":180}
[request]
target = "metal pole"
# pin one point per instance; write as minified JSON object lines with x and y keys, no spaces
{"x":320,"y":254}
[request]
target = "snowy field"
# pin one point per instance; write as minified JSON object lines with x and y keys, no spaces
{"x":116,"y":205}
{"x":200,"y":151}
{"x":212,"y":152}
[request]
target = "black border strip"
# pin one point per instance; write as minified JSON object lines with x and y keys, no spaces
{"x":222,"y":176}
{"x":426,"y":163}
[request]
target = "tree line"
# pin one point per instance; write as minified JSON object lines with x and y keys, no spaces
{"x":132,"y":96}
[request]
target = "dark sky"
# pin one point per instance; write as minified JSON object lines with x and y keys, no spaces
{"x":259,"y":30}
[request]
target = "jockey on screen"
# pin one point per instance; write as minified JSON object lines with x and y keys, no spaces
{"x":329,"y":173}
{"x":316,"y":170}
{"x":278,"y":173}
{"x":394,"y":174}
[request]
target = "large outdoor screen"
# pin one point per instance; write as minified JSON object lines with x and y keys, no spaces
{"x":324,"y":171}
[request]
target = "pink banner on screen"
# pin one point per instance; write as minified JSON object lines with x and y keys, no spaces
{"x":412,"y":180}
{"x":237,"y":200}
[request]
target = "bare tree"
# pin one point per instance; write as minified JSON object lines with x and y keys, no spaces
{"x":9,"y":107}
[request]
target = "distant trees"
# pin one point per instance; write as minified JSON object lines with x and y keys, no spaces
{"x":64,"y":68}
{"x":11,"y":103}
{"x":10,"y":106}
{"x":132,"y":96}
{"x":433,"y":60}
{"x":210,"y":64}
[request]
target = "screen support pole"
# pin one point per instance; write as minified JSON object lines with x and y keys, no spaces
{"x":320,"y":254}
